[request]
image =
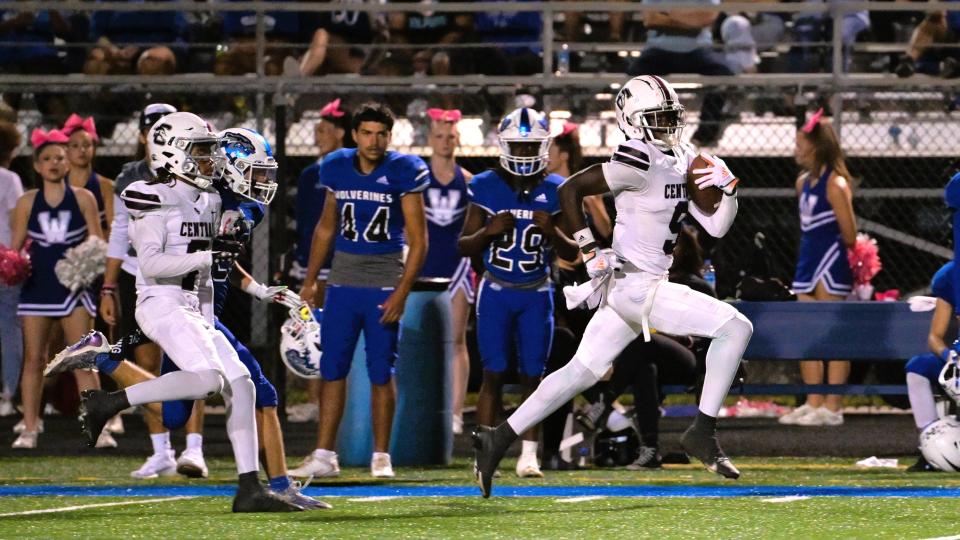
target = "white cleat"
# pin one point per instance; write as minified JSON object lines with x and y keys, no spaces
{"x":191,"y":464}
{"x":156,"y":465}
{"x":527,"y":466}
{"x":26,"y":441}
{"x":115,"y":425}
{"x":380,"y":466}
{"x":21,"y":426}
{"x":821,"y":417}
{"x":80,"y":355}
{"x":106,"y":440}
{"x":325,"y":465}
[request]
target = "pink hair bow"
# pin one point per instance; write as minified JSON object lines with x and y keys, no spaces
{"x":568,"y":128}
{"x":813,"y":121}
{"x":442,"y":115}
{"x":332,"y":109}
{"x":75,"y":122}
{"x":39,"y":137}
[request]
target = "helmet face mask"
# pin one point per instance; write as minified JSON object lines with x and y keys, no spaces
{"x":300,"y":346}
{"x":182,"y":147}
{"x":524,"y":142}
{"x":940,"y":444}
{"x":249,"y":167}
{"x":648,"y":109}
{"x":664,"y":125}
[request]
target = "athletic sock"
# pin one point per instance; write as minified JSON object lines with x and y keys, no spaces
{"x":194,"y":441}
{"x":106,"y":363}
{"x":161,"y":442}
{"x":240,"y":399}
{"x":279,"y":483}
{"x":704,"y":423}
{"x":529,"y":448}
{"x":176,"y":385}
{"x":921,"y":400}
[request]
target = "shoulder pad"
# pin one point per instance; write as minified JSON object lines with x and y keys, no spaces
{"x":141,"y":197}
{"x":632,"y":155}
{"x":555,"y":179}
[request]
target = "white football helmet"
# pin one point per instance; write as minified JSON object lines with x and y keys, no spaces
{"x":950,"y":377}
{"x":524,"y":142}
{"x":300,"y":342}
{"x":249,"y":168}
{"x":940,"y":444}
{"x":182,"y":146}
{"x":648,"y":109}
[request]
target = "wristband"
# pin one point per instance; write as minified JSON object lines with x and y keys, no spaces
{"x":255,"y":289}
{"x":107,"y":291}
{"x":585,"y":240}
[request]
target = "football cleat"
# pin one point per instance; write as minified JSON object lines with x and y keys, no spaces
{"x":96,"y":408}
{"x":593,"y":417}
{"x":488,"y":455}
{"x":156,"y":465}
{"x":293,"y":495}
{"x":80,"y":355}
{"x":191,"y":464}
{"x":706,"y":448}
{"x":647,"y":458}
{"x":253,"y":497}
{"x":922,"y":465}
{"x":317,"y":467}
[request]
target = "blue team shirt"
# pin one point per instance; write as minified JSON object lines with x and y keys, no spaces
{"x":371,"y":216}
{"x":942,"y":286}
{"x":252,"y":211}
{"x":311,"y":196}
{"x":520,"y":256}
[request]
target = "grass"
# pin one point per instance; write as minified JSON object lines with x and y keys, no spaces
{"x":498,"y":517}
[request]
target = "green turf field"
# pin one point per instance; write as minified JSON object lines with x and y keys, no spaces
{"x":498,"y":517}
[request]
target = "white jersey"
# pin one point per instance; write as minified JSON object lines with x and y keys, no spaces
{"x":171,"y":228}
{"x":650,"y":190}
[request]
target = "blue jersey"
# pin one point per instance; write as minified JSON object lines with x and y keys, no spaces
{"x":446,"y":208}
{"x":521,"y":255}
{"x":371,"y":216}
{"x":311,"y":196}
{"x":942,"y":287}
{"x":252,"y":211}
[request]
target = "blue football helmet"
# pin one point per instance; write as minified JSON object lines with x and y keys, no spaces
{"x":300,"y":347}
{"x":250,"y":169}
{"x":524,"y":136}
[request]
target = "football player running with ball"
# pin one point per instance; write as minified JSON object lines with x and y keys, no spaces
{"x":647,"y":175}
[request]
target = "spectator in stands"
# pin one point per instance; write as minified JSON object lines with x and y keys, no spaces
{"x":445,"y":202}
{"x":331,"y":133}
{"x":281,"y":29}
{"x":939,"y":28}
{"x":680,"y":41}
{"x":923,"y":371}
{"x":828,"y":228}
{"x":11,"y":341}
{"x":342,"y":42}
{"x":521,"y":29}
{"x":430,"y":31}
{"x":120,"y":38}
{"x":55,"y":217}
{"x":81,"y":150}
{"x":809,"y":29}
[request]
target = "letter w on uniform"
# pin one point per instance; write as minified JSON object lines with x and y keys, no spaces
{"x":443,"y":210}
{"x":55,"y":230}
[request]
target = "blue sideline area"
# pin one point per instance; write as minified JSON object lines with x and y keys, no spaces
{"x":499,"y":491}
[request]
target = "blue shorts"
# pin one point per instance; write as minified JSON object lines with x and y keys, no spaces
{"x":506,"y":316}
{"x":347,"y":311}
{"x":927,"y":365}
{"x":176,"y":413}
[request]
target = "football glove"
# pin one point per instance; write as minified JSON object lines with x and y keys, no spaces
{"x":596,"y":261}
{"x":235,"y":226}
{"x":716,"y":175}
{"x":225,"y":251}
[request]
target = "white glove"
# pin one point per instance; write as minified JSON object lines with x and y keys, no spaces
{"x":716,"y":175}
{"x":267,"y":294}
{"x":288,"y":298}
{"x":596,"y":261}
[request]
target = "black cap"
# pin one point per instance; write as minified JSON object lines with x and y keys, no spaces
{"x":153,"y":112}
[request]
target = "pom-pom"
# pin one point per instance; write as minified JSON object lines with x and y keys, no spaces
{"x":864,"y":258}
{"x":82,"y":263}
{"x":14,"y":266}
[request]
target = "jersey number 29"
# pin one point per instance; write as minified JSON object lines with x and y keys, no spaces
{"x":532,"y":244}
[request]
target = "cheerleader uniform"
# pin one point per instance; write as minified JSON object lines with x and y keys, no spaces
{"x":52,"y":231}
{"x":446,"y":208}
{"x":93,"y":186}
{"x":823,"y":256}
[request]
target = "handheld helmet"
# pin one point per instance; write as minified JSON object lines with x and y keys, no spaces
{"x":182,"y":146}
{"x":950,"y":377}
{"x":616,"y":448}
{"x":249,"y":168}
{"x":940,"y":444}
{"x":648,"y":109}
{"x":524,"y":136}
{"x":300,"y":346}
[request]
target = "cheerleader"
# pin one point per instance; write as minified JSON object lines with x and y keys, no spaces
{"x":81,"y":150}
{"x":54,"y":217}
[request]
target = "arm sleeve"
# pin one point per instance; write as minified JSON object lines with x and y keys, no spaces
{"x":149,"y":237}
{"x":719,"y":223}
{"x":205,"y":294}
{"x":622,"y":176}
{"x":119,"y":239}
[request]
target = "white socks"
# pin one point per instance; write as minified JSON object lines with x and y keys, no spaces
{"x":176,"y":385}
{"x":194,"y":441}
{"x":240,"y":400}
{"x":723,"y":357}
{"x":529,"y":448}
{"x":921,"y":400}
{"x":558,"y":388}
{"x":160,"y":442}
{"x":321,"y":453}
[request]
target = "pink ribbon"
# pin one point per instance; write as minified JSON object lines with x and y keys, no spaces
{"x":39,"y":137}
{"x":813,"y":121}
{"x":443,"y":115}
{"x":75,"y":122}
{"x":332,"y":109}
{"x":568,"y":128}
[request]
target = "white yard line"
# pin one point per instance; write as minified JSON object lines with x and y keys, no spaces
{"x":954,"y":537}
{"x":580,"y":499}
{"x":788,"y":498}
{"x":373,"y":499}
{"x":97,"y":505}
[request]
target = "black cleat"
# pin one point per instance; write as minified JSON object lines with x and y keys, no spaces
{"x":488,"y":454}
{"x":96,"y":408}
{"x":704,"y":446}
{"x":253,"y":497}
{"x":922,"y":465}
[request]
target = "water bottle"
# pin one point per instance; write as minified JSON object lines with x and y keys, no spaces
{"x":563,"y":60}
{"x":710,"y":274}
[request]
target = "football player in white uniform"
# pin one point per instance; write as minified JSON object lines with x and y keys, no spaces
{"x":647,"y":175}
{"x":173,"y":228}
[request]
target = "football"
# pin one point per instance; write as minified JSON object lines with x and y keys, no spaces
{"x":707,"y":200}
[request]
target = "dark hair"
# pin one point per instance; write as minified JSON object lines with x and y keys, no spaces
{"x":687,"y":255}
{"x":343,"y":122}
{"x":826,"y":149}
{"x":9,"y":139}
{"x":373,"y":112}
{"x":570,"y":143}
